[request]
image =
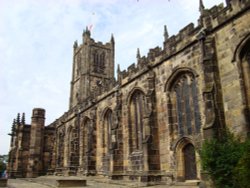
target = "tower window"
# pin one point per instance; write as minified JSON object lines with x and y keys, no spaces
{"x":99,"y":62}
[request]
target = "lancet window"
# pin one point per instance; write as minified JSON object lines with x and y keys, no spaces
{"x":137,"y":107}
{"x":107,"y":130}
{"x":99,"y":62}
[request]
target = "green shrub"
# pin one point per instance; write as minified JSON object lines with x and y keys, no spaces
{"x":2,"y":167}
{"x":226,"y":159}
{"x":242,"y":170}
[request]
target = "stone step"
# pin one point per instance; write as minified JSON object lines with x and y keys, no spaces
{"x":71,"y":183}
{"x":187,"y":184}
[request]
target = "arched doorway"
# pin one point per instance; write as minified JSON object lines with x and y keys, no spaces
{"x":190,"y":170}
{"x":187,"y":165}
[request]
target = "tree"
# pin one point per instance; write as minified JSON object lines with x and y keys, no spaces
{"x":3,"y":161}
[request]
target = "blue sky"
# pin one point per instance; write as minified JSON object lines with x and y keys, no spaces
{"x":36,"y":40}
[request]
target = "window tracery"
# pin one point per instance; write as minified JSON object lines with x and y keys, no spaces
{"x":60,"y":154}
{"x":74,"y":147}
{"x":99,"y":62}
{"x":107,"y":129}
{"x":137,"y":105}
{"x":245,"y":63}
{"x":183,"y":107}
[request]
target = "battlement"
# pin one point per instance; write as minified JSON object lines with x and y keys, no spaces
{"x":154,"y":55}
{"x":87,"y":40}
{"x":218,"y":14}
{"x":92,"y":42}
{"x":209,"y":20}
{"x":216,"y":10}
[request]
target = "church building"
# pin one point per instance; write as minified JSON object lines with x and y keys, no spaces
{"x":148,"y":124}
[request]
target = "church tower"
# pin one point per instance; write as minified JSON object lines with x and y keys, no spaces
{"x":93,"y":64}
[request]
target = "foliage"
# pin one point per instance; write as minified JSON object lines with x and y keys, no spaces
{"x":4,"y":158}
{"x":242,"y":170}
{"x":3,"y":161}
{"x":226,"y":160}
{"x":2,"y":166}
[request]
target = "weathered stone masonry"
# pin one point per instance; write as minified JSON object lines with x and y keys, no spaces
{"x":148,"y":125}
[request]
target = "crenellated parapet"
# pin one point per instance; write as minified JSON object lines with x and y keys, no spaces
{"x":209,"y":20}
{"x":153,"y":53}
{"x":219,"y":14}
{"x":141,"y":65}
{"x":87,"y":40}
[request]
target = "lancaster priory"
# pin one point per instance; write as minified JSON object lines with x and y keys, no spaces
{"x":147,"y":125}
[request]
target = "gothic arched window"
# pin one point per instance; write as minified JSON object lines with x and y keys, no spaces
{"x":102,"y":61}
{"x":74,"y":147}
{"x":183,"y":108}
{"x":88,"y":135}
{"x":60,"y":152}
{"x":245,"y":66}
{"x":106,"y":134}
{"x":98,"y":62}
{"x":85,"y":133}
{"x":78,"y":64}
{"x":137,"y":106}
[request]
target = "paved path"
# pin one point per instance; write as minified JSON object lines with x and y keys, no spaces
{"x":49,"y":182}
{"x":18,"y":183}
{"x":92,"y":182}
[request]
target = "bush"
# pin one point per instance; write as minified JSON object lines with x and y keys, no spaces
{"x":226,"y":159}
{"x":242,"y":170}
{"x":2,"y":167}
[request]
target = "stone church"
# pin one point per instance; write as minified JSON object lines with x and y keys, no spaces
{"x":148,"y":124}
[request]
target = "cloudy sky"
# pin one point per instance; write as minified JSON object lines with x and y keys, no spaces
{"x":36,"y":39}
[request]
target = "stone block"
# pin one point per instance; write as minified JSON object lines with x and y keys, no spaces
{"x":71,"y":183}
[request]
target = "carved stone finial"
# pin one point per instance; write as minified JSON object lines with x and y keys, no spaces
{"x":14,"y":122}
{"x":138,"y":55}
{"x":118,"y":68}
{"x":18,"y":119}
{"x":201,"y":7}
{"x":165,"y":33}
{"x":13,"y":128}
{"x":75,"y":44}
{"x":86,"y":32}
{"x":23,"y":119}
{"x":112,"y":40}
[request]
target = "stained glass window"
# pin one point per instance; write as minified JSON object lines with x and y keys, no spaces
{"x":184,"y":105}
